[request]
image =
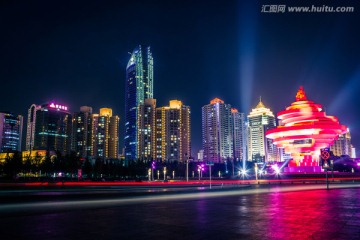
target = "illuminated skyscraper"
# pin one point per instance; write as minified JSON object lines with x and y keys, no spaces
{"x":239,"y":135}
{"x":49,"y":128}
{"x":81,"y":132}
{"x":172,"y":140}
{"x":217,"y":131}
{"x":146,"y":129}
{"x":10,"y":132}
{"x":104,"y":134}
{"x":139,"y":86}
{"x":260,"y":148}
{"x":342,"y":145}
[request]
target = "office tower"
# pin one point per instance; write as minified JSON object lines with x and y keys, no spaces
{"x":139,"y":86}
{"x":104,"y":134}
{"x":172,"y":140}
{"x":49,"y":128}
{"x":342,"y":145}
{"x":239,"y":135}
{"x":10,"y":132}
{"x":260,"y":148}
{"x":81,"y":132}
{"x":146,"y":129}
{"x":217,"y":131}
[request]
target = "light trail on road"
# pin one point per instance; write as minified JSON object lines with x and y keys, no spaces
{"x":37,"y":207}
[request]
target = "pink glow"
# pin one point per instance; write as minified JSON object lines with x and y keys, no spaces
{"x":57,"y":106}
{"x":304,"y":131}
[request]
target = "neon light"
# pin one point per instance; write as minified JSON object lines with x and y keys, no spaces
{"x":304,"y":130}
{"x":57,"y":106}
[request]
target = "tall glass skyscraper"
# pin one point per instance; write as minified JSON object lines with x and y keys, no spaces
{"x":139,"y":86}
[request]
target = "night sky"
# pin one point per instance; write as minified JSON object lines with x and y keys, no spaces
{"x":75,"y":52}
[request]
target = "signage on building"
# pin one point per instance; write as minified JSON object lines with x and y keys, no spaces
{"x":57,"y":106}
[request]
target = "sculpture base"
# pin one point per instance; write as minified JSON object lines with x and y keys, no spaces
{"x":303,"y":169}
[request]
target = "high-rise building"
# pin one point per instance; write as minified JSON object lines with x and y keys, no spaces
{"x":81,"y":132}
{"x":10,"y":132}
{"x":260,"y":148}
{"x":146,"y":129}
{"x":239,"y":135}
{"x":104,"y":134}
{"x":217,"y":131}
{"x":172,"y":140}
{"x":139,"y":86}
{"x":342,"y":145}
{"x":49,"y":128}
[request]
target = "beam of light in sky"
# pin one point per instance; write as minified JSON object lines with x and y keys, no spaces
{"x":350,"y":89}
{"x":247,"y":36}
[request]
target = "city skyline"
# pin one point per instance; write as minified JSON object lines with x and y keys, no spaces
{"x":202,"y":50}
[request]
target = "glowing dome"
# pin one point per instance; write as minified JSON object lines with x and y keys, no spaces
{"x":305,"y":129}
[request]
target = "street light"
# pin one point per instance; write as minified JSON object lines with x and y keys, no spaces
{"x":200,"y":169}
{"x":149,"y":174}
{"x":210,"y":164}
{"x":243,"y":173}
{"x":152,"y":169}
{"x":256,"y":171}
{"x":164,"y":173}
{"x":158,"y":173}
{"x":219,"y":174}
{"x":173,"y":174}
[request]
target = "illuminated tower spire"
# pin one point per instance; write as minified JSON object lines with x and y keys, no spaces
{"x":301,"y":95}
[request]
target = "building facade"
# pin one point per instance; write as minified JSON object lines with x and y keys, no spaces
{"x":49,"y":128}
{"x":138,"y":87}
{"x":104,"y":134}
{"x":146,"y":129}
{"x":239,"y":135}
{"x":81,"y":132}
{"x":10,"y":132}
{"x":342,"y":145}
{"x":172,"y":128}
{"x":217,"y":131}
{"x":260,"y":148}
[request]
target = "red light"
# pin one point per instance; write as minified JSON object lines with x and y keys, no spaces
{"x":304,"y":130}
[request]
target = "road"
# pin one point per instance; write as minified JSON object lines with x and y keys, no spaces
{"x":287,"y":211}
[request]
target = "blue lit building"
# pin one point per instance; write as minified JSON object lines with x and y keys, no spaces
{"x":10,"y":132}
{"x":138,"y":87}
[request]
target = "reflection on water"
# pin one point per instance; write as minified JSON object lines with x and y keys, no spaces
{"x":300,"y":215}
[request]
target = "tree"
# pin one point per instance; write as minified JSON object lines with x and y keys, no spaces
{"x":13,"y":164}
